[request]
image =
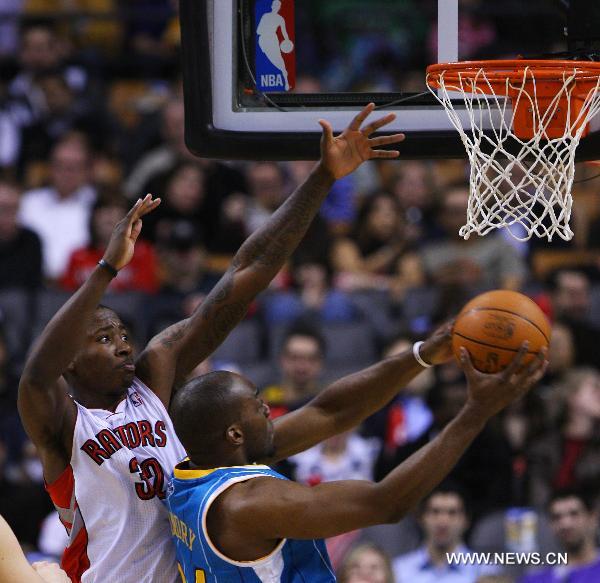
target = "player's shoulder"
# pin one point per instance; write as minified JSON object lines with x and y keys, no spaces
{"x":252,"y":483}
{"x":244,"y":498}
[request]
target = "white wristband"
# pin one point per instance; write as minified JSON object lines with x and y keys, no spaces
{"x":416,"y":347}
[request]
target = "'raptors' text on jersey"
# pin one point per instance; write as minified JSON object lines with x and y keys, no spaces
{"x":110,"y":497}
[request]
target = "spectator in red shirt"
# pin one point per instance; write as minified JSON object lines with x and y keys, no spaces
{"x":139,"y":275}
{"x":568,"y":454}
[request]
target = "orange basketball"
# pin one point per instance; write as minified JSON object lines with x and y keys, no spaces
{"x":493,"y":326}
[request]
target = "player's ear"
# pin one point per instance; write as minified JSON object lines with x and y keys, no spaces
{"x":235,"y":435}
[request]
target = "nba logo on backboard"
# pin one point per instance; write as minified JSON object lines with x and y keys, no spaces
{"x":136,"y":399}
{"x":275,"y":45}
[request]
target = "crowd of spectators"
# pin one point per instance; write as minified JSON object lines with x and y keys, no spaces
{"x":91,"y":117}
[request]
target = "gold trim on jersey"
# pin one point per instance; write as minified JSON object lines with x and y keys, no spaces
{"x":183,"y":474}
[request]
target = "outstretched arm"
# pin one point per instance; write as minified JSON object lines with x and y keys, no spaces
{"x":349,"y":401}
{"x":173,"y":354}
{"x":266,"y":509}
{"x":14,"y":567}
{"x":48,"y":414}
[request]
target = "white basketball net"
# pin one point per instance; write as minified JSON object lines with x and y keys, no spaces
{"x":514,"y":181}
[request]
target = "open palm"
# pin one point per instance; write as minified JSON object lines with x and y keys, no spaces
{"x":341,"y":155}
{"x":122,"y":241}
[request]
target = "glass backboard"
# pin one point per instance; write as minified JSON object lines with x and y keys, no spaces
{"x":258,"y":74}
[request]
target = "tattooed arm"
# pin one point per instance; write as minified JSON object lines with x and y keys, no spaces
{"x":173,"y":354}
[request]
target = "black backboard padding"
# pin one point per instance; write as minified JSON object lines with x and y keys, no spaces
{"x":204,"y":140}
{"x":583,"y":21}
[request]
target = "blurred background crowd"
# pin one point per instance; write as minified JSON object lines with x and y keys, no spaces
{"x":91,"y":117}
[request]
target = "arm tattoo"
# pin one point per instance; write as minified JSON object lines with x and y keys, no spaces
{"x":219,"y":314}
{"x":172,"y":335}
{"x":271,"y":245}
{"x":261,"y":256}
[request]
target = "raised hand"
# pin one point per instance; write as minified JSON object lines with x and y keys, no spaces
{"x":341,"y":155}
{"x":122,"y":241}
{"x":490,"y":393}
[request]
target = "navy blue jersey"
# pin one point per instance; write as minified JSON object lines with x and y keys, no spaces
{"x":190,"y":495}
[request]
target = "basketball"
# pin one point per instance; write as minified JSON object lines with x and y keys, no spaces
{"x":493,"y":326}
{"x":286,"y":46}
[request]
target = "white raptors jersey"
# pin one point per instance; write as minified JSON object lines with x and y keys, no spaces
{"x":110,"y":498}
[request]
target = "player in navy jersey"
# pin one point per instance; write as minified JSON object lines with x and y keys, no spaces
{"x":234,"y":521}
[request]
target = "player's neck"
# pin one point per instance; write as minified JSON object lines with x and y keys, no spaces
{"x":94,"y":400}
{"x":217,"y":461}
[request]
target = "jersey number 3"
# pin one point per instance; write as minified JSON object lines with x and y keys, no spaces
{"x":153,"y":478}
{"x":200,"y":576}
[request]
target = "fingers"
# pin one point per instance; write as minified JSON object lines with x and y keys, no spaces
{"x":136,"y":229}
{"x":134,"y":208}
{"x":327,"y":130}
{"x":359,"y":118}
{"x":153,"y":203}
{"x":142,"y":207}
{"x":535,"y":370}
{"x":467,"y":363}
{"x":516,"y":362}
{"x":385,"y":140}
{"x":378,"y":123}
{"x":446,"y":329}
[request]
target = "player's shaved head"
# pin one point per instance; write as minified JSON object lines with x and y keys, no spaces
{"x":102,"y":307}
{"x":103,"y":312}
{"x":204,"y":408}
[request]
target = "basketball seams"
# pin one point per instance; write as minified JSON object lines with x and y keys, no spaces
{"x":524,"y":318}
{"x":487,"y":344}
{"x":494,"y":325}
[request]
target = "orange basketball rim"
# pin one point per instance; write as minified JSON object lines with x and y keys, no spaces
{"x":546,"y":95}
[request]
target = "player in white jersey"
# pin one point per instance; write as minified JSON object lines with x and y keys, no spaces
{"x":99,"y":419}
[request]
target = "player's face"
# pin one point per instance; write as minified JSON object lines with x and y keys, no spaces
{"x":444,"y":520}
{"x":258,"y":427}
{"x":572,"y":523}
{"x":105,"y":363}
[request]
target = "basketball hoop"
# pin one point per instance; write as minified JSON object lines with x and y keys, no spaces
{"x":522,"y":169}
